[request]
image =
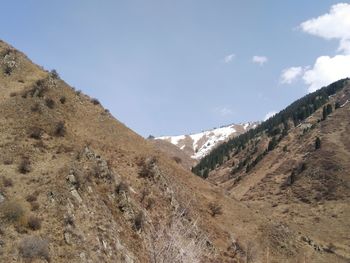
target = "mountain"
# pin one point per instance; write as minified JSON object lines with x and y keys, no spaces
{"x":295,"y":169}
{"x":200,"y":144}
{"x":76,"y":185}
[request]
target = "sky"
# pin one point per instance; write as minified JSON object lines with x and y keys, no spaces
{"x":166,"y":67}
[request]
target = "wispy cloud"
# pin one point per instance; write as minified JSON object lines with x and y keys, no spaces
{"x":289,"y":75}
{"x":229,"y":58}
{"x":269,"y":115}
{"x":223,"y":111}
{"x":261,"y":60}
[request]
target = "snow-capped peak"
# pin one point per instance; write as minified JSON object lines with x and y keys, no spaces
{"x":198,"y":145}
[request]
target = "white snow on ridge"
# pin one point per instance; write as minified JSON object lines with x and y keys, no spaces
{"x":204,"y":142}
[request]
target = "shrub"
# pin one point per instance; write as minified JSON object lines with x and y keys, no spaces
{"x":35,"y":107}
{"x":13,"y":94}
{"x":34,"y":206}
{"x":33,"y":247}
{"x":31,"y":198}
{"x":95,"y":101}
{"x":34,"y":223}
{"x":50,"y":103}
{"x":8,"y":160}
{"x":35,"y":133}
{"x":54,"y":74}
{"x":24,"y":166}
{"x":60,"y":129}
{"x":63,"y":100}
{"x":317,"y":143}
{"x":122,"y":187}
{"x":215,"y":209}
{"x":69,"y":220}
{"x":147,"y":167}
{"x":7,"y":182}
{"x":8,"y":70}
{"x":12,"y":211}
{"x":139,"y":221}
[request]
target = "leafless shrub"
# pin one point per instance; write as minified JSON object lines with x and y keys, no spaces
{"x":139,"y":221}
{"x":12,"y":211}
{"x":13,"y":94}
{"x":121,"y":188}
{"x":54,"y":74}
{"x":179,"y":242}
{"x":215,"y":209}
{"x":63,"y":100}
{"x":34,"y":223}
{"x":35,"y":107}
{"x":8,"y":161}
{"x":31,"y":198}
{"x":144,"y":193}
{"x":150,"y":203}
{"x":35,"y":133}
{"x":34,"y":206}
{"x":69,"y":220}
{"x":50,"y":103}
{"x":60,"y":129}
{"x":7,"y":182}
{"x":95,"y":101}
{"x":24,"y":166}
{"x":147,"y":166}
{"x":33,"y":247}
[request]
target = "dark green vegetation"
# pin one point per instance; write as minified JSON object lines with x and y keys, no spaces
{"x":275,"y":128}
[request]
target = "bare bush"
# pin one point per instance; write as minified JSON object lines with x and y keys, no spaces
{"x":147,"y":166}
{"x":35,"y":133}
{"x":179,"y":242}
{"x":60,"y":129}
{"x":34,"y":223}
{"x":35,"y":107}
{"x":139,"y":221}
{"x":215,"y":209}
{"x":34,"y":206}
{"x":31,"y":198}
{"x":95,"y":101}
{"x":63,"y":100}
{"x":12,"y":211}
{"x":122,"y":187}
{"x":33,"y":247}
{"x":7,"y":182}
{"x":24,"y":166}
{"x":50,"y":103}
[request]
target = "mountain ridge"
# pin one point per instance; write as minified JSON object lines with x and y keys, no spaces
{"x":197,"y":145}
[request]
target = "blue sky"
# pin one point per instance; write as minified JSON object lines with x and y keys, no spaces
{"x":172,"y":67}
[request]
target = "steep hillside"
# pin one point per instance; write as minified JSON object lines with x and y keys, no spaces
{"x":76,"y":185}
{"x":175,"y":153}
{"x":198,"y":145}
{"x":297,"y":171}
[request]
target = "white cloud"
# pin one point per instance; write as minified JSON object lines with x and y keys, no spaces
{"x":261,"y":60}
{"x":291,"y":74}
{"x":327,"y":70}
{"x":333,"y":25}
{"x":269,"y":115}
{"x":224,"y":111}
{"x":229,"y":58}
